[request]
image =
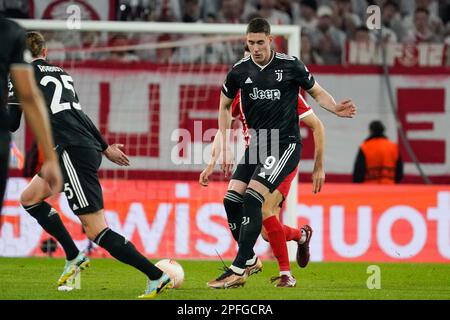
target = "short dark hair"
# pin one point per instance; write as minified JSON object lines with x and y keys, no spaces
{"x":376,"y":128}
{"x":258,"y":25}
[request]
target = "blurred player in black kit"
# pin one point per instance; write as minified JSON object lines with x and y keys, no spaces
{"x":12,"y":61}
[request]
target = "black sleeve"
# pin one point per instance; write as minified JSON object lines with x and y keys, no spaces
{"x":399,"y":170}
{"x":359,"y":168}
{"x":19,"y":53}
{"x":14,"y":115}
{"x":14,"y":109}
{"x":304,"y":78}
{"x":96,"y":133}
{"x":231,"y":86}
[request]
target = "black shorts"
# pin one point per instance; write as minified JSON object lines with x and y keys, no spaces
{"x":271,"y":168}
{"x":4,"y":164}
{"x":79,"y":167}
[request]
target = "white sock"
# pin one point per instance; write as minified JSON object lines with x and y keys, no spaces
{"x":302,"y":237}
{"x":237,"y":270}
{"x":285,"y":273}
{"x":251,"y":261}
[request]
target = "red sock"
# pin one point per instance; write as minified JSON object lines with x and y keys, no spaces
{"x":277,"y":241}
{"x":291,"y":233}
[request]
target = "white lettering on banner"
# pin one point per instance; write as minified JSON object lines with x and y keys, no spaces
{"x":315,"y":216}
{"x":137,"y":219}
{"x":441,"y":213}
{"x":213,"y":229}
{"x":28,"y":237}
{"x":408,"y":55}
{"x":337,"y":231}
{"x":419,"y":234}
{"x":182,"y":228}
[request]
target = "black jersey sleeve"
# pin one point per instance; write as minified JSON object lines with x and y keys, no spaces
{"x":14,"y":109}
{"x":231,"y":86}
{"x":98,"y":136}
{"x":304,"y":78}
{"x":20,"y":48}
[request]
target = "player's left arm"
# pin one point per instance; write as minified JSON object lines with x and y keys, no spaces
{"x":306,"y":81}
{"x":318,"y":175}
{"x":344,"y":109}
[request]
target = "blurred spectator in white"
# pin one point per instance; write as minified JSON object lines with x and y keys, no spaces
{"x":422,"y":30}
{"x":308,"y":16}
{"x":362,"y":35}
{"x":344,"y":19}
{"x":273,"y":16}
{"x":120,"y":40}
{"x":359,"y":7}
{"x":392,"y":20}
{"x":408,"y":7}
{"x":327,"y":39}
{"x":191,"y":11}
{"x":435,"y":24}
{"x":307,"y":53}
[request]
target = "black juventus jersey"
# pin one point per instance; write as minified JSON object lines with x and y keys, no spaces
{"x":13,"y":49}
{"x":70,"y":125}
{"x":269,"y":94}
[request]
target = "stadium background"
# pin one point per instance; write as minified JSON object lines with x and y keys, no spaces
{"x":141,"y":96}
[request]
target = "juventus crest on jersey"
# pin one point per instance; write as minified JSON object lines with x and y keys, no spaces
{"x":269,"y":94}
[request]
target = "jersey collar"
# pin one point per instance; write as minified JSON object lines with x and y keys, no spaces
{"x":264,"y":66}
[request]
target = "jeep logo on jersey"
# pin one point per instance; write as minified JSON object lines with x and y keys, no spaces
{"x":279,"y":74}
{"x":271,"y":94}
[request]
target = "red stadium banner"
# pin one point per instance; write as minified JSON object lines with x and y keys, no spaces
{"x":183,"y":220}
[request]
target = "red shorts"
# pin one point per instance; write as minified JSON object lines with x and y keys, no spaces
{"x":284,"y":187}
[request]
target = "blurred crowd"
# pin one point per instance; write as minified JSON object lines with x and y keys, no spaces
{"x":327,"y":25}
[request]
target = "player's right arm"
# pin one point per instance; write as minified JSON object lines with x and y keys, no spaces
{"x":33,"y":106}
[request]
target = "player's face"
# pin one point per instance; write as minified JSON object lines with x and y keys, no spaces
{"x":259,"y":45}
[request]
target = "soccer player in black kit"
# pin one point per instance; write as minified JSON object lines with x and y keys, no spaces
{"x":269,"y":82}
{"x":79,"y":145}
{"x":12,"y":60}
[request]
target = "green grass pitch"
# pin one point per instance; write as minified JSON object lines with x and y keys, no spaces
{"x":35,"y":278}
